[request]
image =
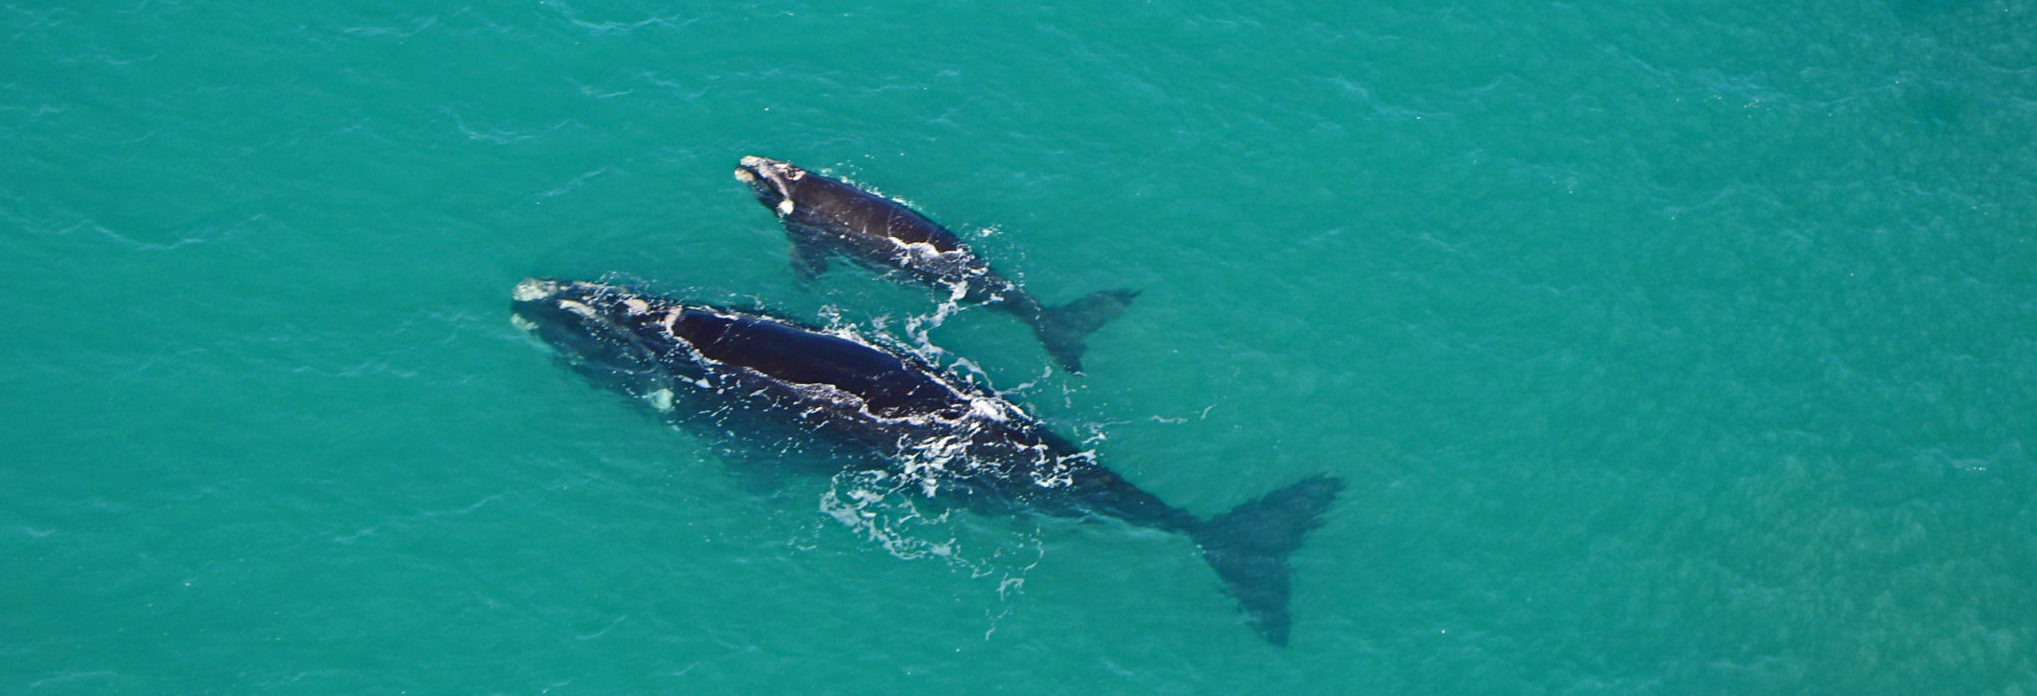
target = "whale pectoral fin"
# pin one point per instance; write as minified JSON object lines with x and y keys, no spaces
{"x":809,"y":260}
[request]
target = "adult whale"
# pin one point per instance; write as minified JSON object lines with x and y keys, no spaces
{"x":958,"y":441}
{"x":824,"y":216}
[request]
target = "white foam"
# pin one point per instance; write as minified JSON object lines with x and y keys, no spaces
{"x":988,"y":408}
{"x":660,"y":399}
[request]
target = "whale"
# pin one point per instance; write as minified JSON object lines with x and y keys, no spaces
{"x":826,"y":217}
{"x":962,"y":443}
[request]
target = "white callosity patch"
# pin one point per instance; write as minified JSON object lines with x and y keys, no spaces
{"x":532,"y":289}
{"x":779,"y":174}
{"x":581,"y":309}
{"x":522,"y":324}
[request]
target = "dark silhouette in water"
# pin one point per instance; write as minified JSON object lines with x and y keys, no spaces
{"x":823,"y":216}
{"x":956,"y":439}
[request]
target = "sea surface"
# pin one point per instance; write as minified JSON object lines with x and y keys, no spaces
{"x":1666,"y":348}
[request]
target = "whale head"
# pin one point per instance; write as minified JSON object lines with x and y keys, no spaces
{"x":772,"y":181}
{"x":598,"y":330}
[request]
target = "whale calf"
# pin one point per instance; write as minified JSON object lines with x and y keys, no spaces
{"x":960,"y":442}
{"x":825,"y":216}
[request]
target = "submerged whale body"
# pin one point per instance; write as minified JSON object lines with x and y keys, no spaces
{"x":824,"y":216}
{"x":959,"y":441}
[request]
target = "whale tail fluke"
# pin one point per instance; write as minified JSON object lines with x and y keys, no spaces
{"x":1249,"y":545}
{"x":1061,"y":329}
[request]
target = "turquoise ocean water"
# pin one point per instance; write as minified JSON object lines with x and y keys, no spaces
{"x":1668,"y":348}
